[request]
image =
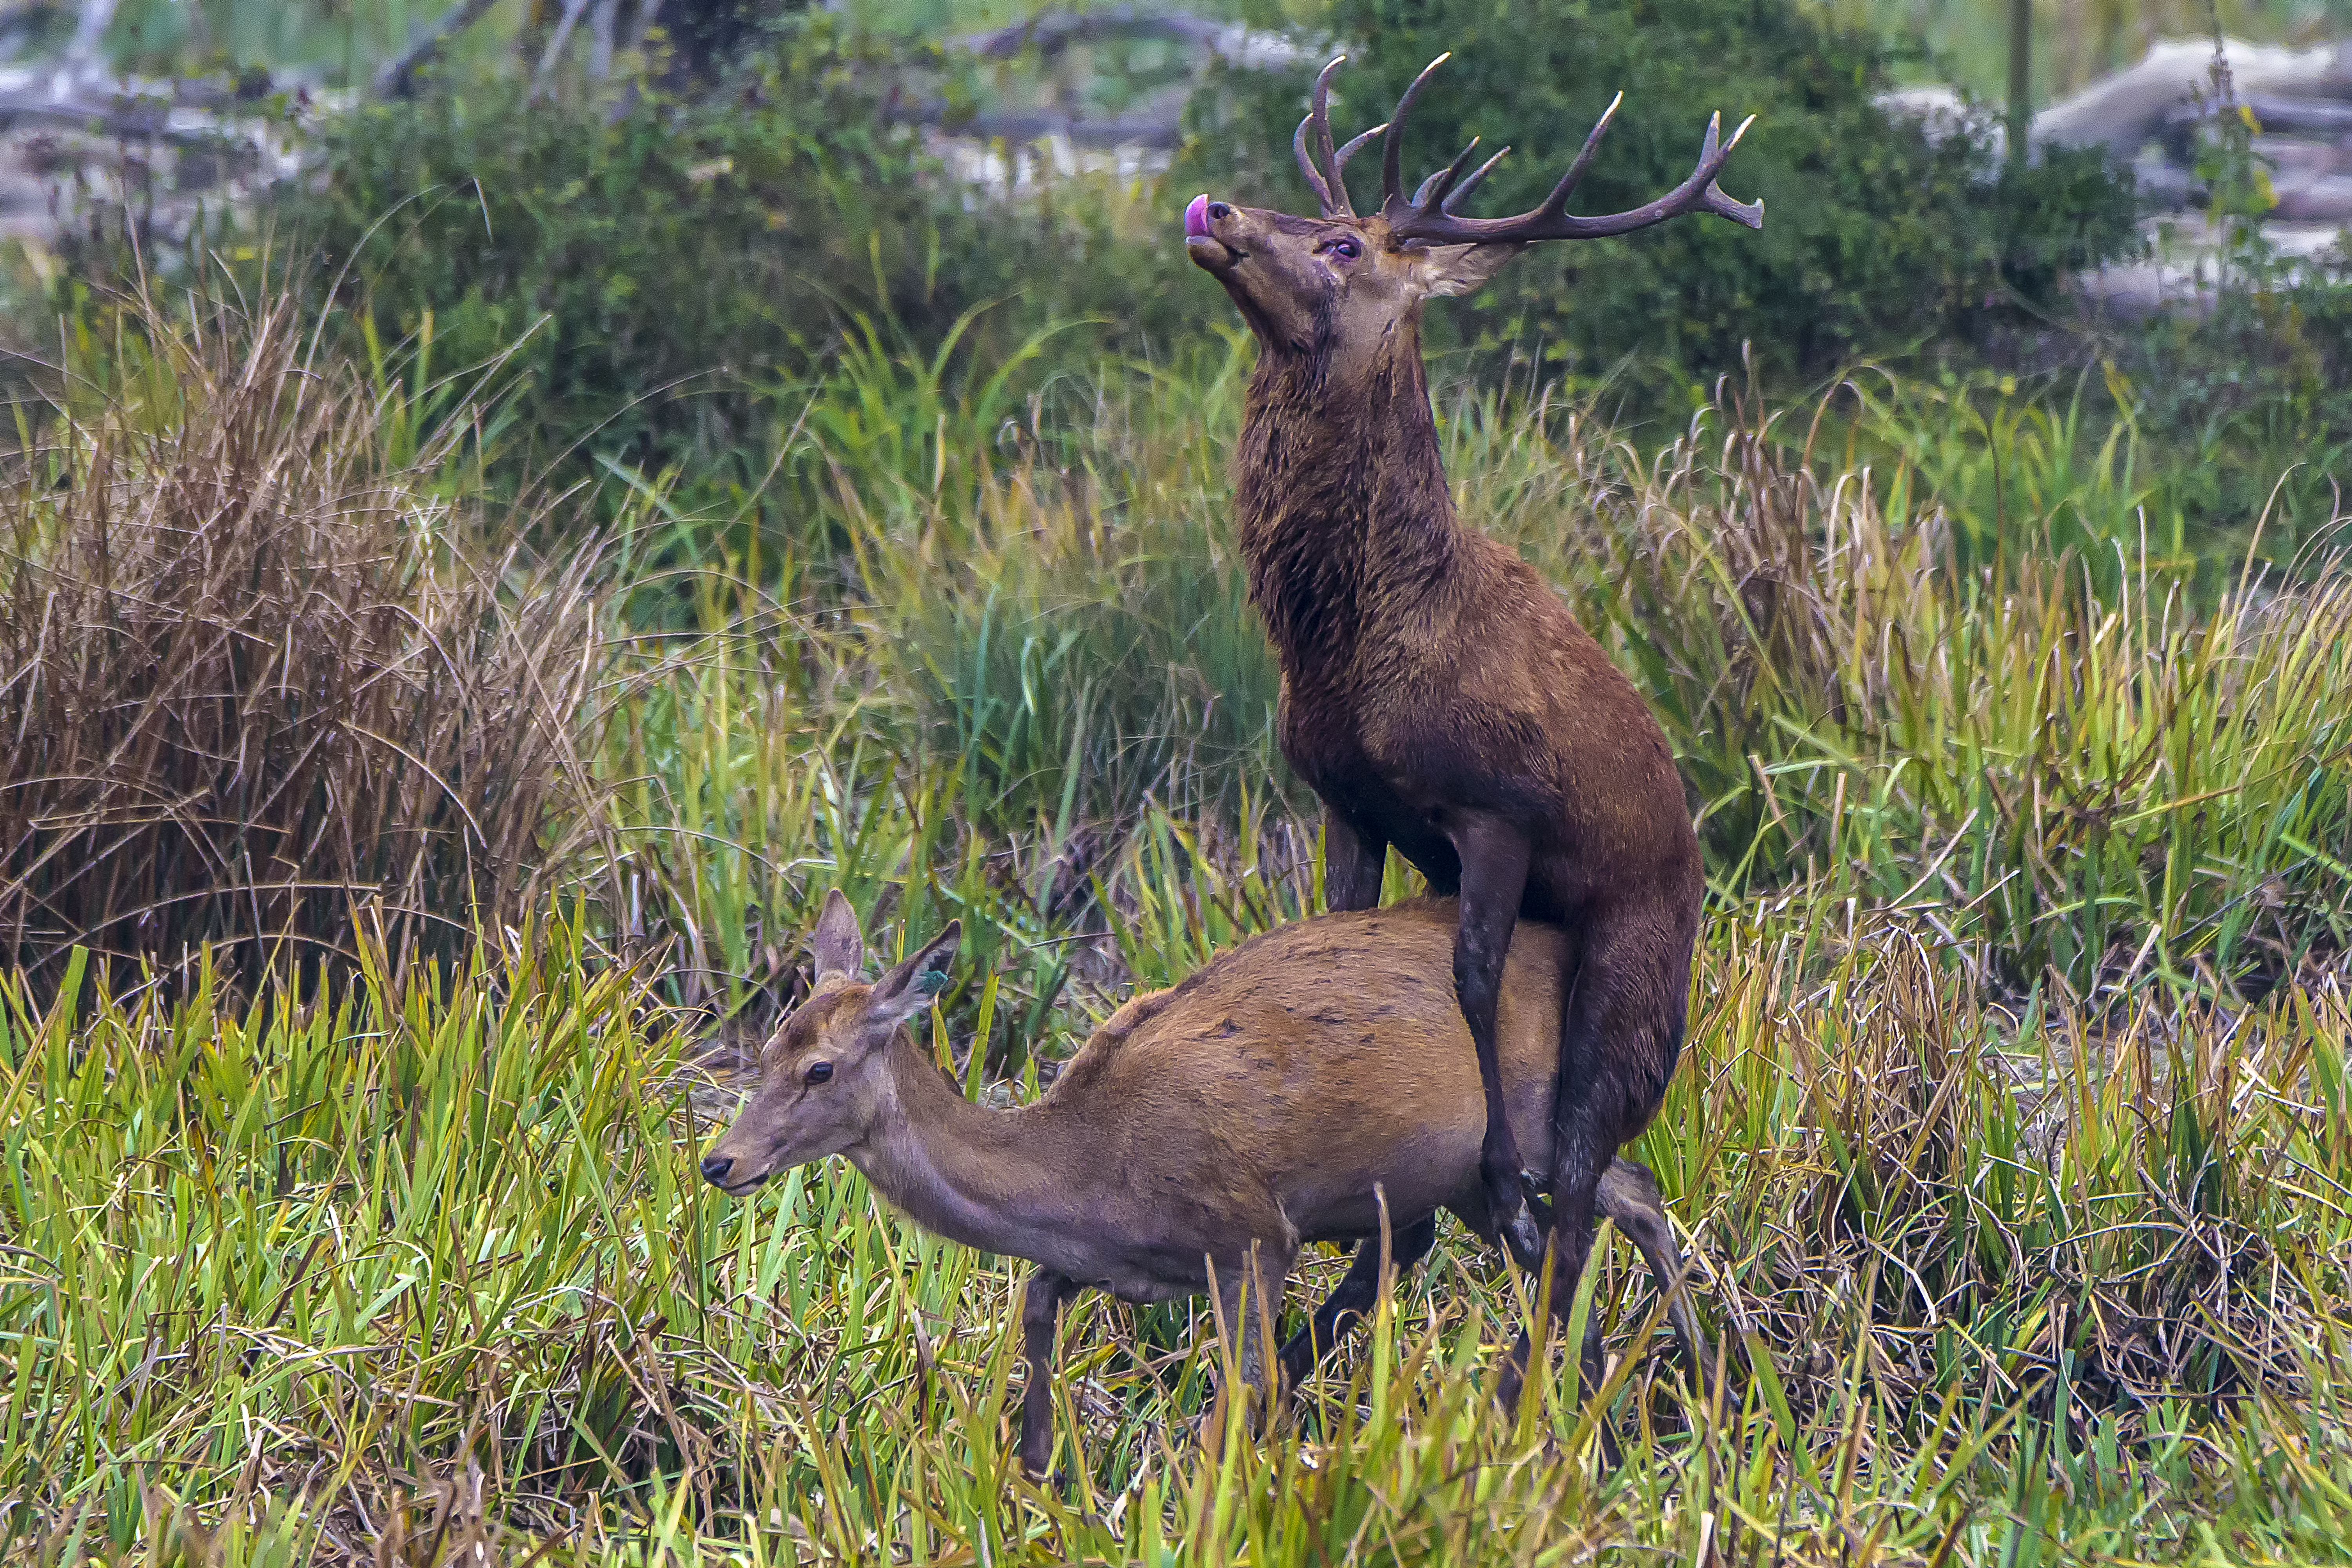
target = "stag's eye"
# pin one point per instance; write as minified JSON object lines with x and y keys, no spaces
{"x":818,"y":1072}
{"x":1341,"y":249}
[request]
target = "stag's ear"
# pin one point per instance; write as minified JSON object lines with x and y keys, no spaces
{"x":910,"y":987}
{"x":838,"y":947}
{"x":1451,"y":269}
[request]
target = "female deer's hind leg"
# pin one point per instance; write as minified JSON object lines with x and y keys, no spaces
{"x":1629,"y":1196}
{"x":1249,"y":1298}
{"x":1353,"y":1297}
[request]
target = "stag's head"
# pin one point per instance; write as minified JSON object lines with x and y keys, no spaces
{"x":825,"y":1073}
{"x":1342,"y":281}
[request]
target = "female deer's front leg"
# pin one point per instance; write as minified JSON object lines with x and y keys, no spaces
{"x":1041,"y":1311}
{"x":1494,"y":879}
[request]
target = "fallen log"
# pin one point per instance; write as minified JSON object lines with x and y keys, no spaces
{"x":1052,"y":32}
{"x":2123,"y":112}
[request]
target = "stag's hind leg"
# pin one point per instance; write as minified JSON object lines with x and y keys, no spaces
{"x":1494,"y":879}
{"x":1620,"y":1034}
{"x":1353,"y":1297}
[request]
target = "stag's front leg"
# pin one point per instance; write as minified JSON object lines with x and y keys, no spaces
{"x":1494,"y":879}
{"x":1353,"y":863}
{"x":1041,"y":1311}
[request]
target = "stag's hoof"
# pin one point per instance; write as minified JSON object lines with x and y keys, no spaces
{"x":1520,"y":1234}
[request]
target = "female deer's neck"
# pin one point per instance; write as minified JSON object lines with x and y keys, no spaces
{"x":1345,"y":514}
{"x":980,"y":1177}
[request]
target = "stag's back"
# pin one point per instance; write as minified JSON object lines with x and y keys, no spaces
{"x":1318,"y":1059}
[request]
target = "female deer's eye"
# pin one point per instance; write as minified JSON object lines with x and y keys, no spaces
{"x":1342,"y":249}
{"x":817,"y":1073}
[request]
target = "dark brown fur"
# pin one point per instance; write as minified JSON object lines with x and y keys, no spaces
{"x":1439,"y":697}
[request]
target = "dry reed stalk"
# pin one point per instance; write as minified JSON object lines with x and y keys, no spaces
{"x":254,"y":674}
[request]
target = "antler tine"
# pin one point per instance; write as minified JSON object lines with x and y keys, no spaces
{"x":1477,"y":177}
{"x":1355,"y":144}
{"x":1551,"y":221}
{"x":1306,"y":156}
{"x":1335,"y":190}
{"x":1712,"y":198}
{"x":1439,"y":184}
{"x":1392,"y":200}
{"x":1557,"y":203}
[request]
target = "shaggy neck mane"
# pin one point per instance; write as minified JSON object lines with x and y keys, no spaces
{"x":1345,"y":515}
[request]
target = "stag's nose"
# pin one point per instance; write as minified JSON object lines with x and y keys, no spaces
{"x":715,"y":1168}
{"x":1197,"y":215}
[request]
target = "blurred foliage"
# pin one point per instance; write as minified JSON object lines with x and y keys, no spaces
{"x":2246,"y":408}
{"x":2250,"y":376}
{"x":696,"y":291}
{"x":653,"y":276}
{"x":1873,"y":236}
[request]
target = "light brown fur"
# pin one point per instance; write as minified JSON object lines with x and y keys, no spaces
{"x":1202,"y":1135}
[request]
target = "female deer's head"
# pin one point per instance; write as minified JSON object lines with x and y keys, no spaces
{"x":824,"y":1075}
{"x":1343,"y":283}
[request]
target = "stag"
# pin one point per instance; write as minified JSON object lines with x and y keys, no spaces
{"x":1436,"y":694}
{"x":1309,"y":1085}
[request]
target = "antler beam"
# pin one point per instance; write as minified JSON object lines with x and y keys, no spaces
{"x":1428,"y":215}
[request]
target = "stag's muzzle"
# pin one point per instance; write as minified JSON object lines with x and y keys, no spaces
{"x":1200,"y":243}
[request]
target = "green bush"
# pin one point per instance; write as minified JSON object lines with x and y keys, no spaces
{"x":639,"y":268}
{"x":1874,"y":237}
{"x":661,"y":278}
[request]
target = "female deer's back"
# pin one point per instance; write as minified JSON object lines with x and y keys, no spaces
{"x":1315,"y":1062}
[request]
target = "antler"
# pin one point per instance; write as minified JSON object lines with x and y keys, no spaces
{"x":1326,"y":169}
{"x":1428,"y":214}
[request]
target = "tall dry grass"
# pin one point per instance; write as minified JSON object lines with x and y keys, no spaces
{"x":255,"y":674}
{"x":2079,"y":758}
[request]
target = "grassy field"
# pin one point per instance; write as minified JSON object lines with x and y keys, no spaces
{"x":2012,"y":1141}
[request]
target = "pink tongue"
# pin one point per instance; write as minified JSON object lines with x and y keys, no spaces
{"x":1196,"y":218}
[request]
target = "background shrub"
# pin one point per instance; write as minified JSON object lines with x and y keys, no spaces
{"x":656,"y":279}
{"x":249,"y":680}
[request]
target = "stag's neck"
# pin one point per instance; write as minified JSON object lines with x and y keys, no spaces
{"x":989,"y":1179}
{"x":1346,"y":519}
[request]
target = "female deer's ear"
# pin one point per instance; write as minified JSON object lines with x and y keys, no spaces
{"x":910,"y":988}
{"x":837,"y":945}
